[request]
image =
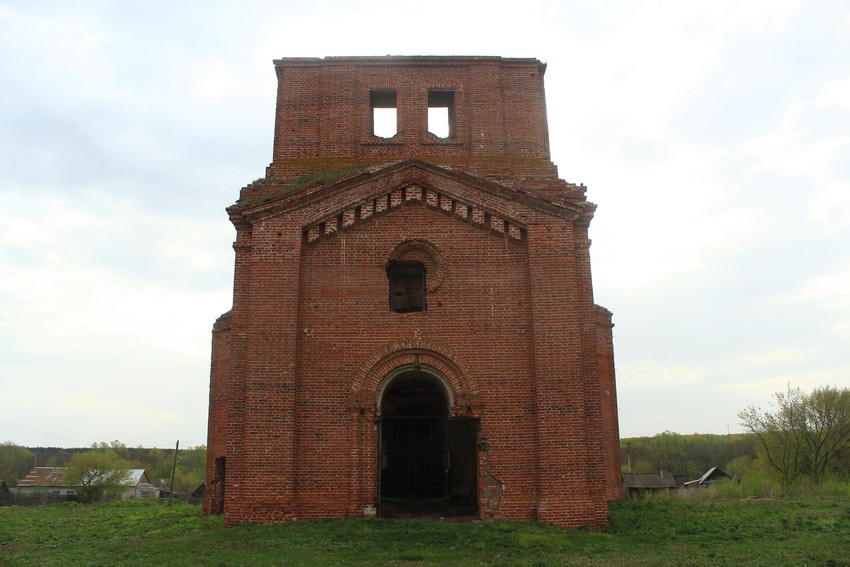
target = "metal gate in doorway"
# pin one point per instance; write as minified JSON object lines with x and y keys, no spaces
{"x":413,"y":455}
{"x":428,"y":465}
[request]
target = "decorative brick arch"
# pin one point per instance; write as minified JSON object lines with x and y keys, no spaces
{"x":466,"y":395}
{"x":427,"y":251}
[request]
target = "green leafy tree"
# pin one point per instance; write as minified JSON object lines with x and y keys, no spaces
{"x":779,"y":432}
{"x":15,"y":462}
{"x":117,"y":447}
{"x":96,"y":473}
{"x":827,"y":432}
{"x":804,"y":434}
{"x":686,"y":454}
{"x":642,"y":466}
{"x":669,"y":451}
{"x":738,"y":466}
{"x":191,"y":468}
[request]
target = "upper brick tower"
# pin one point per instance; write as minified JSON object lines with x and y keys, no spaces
{"x":413,"y":326}
{"x":495,"y":110}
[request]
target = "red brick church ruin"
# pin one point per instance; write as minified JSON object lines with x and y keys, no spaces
{"x":413,"y":329}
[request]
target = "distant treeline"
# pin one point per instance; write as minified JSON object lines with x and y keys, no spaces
{"x":688,"y":455}
{"x":16,"y":461}
{"x":803,"y":438}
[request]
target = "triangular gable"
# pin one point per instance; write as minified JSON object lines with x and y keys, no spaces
{"x":414,"y":195}
{"x":345,"y":204}
{"x":137,"y":476}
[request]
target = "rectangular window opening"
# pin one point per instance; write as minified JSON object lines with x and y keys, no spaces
{"x":441,"y":113}
{"x":384,"y":115}
{"x":407,"y":286}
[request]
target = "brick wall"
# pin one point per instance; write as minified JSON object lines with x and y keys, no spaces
{"x":610,"y":420}
{"x":323,"y":120}
{"x":511,"y":330}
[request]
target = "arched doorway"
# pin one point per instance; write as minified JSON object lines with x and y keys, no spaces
{"x":428,"y":460}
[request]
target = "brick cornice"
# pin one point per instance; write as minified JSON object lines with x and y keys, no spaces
{"x":407,"y":61}
{"x":417,"y":171}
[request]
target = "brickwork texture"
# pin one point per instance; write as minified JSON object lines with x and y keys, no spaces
{"x":508,"y":330}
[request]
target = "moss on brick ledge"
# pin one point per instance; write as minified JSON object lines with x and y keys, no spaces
{"x":280,"y":187}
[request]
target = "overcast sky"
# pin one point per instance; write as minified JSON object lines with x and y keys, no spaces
{"x":714,"y":136}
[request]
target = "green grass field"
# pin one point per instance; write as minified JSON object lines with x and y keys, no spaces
{"x":655,"y":531}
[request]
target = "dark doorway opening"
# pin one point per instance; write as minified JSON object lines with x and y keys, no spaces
{"x":428,"y":461}
{"x":217,"y":488}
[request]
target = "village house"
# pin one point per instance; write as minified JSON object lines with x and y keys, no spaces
{"x":50,"y":480}
{"x":711,"y":477}
{"x":637,"y":484}
{"x":413,"y":329}
{"x":45,"y":480}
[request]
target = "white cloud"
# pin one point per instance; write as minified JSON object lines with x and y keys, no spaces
{"x":113,"y":344}
{"x":836,"y":92}
{"x":713,"y":136}
{"x":658,"y":374}
{"x":61,"y":287}
{"x":760,"y":391}
{"x":832,"y":289}
{"x":775,"y":357}
{"x":214,"y":79}
{"x":831,"y":293}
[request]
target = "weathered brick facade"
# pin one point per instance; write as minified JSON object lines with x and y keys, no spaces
{"x":413,"y":326}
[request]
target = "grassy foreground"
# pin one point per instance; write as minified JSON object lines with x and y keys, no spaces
{"x":657,"y":531}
